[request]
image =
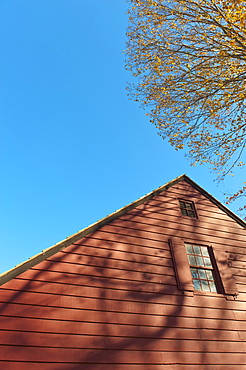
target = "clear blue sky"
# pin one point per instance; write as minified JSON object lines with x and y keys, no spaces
{"x":73,"y":147}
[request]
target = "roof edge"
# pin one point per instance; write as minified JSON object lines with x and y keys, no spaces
{"x":46,"y":253}
{"x":215,"y":201}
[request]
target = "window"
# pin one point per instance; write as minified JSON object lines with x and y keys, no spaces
{"x":187,"y":208}
{"x":201,"y":268}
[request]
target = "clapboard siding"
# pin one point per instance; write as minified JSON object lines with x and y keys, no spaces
{"x":125,"y":331}
{"x":154,"y":256}
{"x":149,"y":219}
{"x":51,"y":276}
{"x":133,"y":261}
{"x":136,"y":319}
{"x":132,"y":302}
{"x":62,"y":313}
{"x":103,"y":342}
{"x":128,"y":356}
{"x":110,"y":300}
{"x":106,"y":366}
{"x":160,"y":230}
{"x":96,"y":366}
{"x":163,"y":220}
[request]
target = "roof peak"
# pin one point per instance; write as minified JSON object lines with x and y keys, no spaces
{"x":48,"y":252}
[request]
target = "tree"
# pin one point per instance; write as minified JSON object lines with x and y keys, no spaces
{"x":189,"y":57}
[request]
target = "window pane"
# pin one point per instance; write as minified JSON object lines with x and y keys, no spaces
{"x":207,"y":262}
{"x":212,"y":286}
{"x":184,"y":212}
{"x":205,"y":286}
{"x":197,"y":285}
{"x":182,"y":204}
{"x":197,"y":250}
{"x":189,"y":248}
{"x":188,"y":205}
{"x":194,"y":273}
{"x":210,"y":275}
{"x":204,"y":251}
{"x":202,"y":274}
{"x":191,"y":213}
{"x":192,"y":260}
{"x":199,"y":261}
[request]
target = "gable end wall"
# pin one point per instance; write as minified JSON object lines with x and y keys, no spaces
{"x":111,"y":301}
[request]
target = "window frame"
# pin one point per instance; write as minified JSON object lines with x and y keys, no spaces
{"x":213,"y":268}
{"x":220,"y":260}
{"x":193,"y":208}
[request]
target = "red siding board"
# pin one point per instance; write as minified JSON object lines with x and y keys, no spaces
{"x":128,"y":235}
{"x":140,"y":320}
{"x":143,"y":319}
{"x":41,"y":340}
{"x":164,"y":257}
{"x":137,"y":263}
{"x":142,"y":299}
{"x":147,"y":221}
{"x":111,"y":300}
{"x":116,"y":356}
{"x":159,"y":226}
{"x":70,"y":366}
{"x":107,"y":283}
{"x":127,"y":274}
{"x":96,"y":366}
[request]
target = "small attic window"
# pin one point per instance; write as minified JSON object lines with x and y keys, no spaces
{"x":187,"y":208}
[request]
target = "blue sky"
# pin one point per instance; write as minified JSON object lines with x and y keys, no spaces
{"x":74,"y":148}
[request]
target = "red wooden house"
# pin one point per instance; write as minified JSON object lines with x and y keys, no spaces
{"x":159,"y":284}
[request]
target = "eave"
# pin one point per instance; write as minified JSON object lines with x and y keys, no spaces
{"x":46,"y":253}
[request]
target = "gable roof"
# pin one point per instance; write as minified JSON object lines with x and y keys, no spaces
{"x":46,"y":253}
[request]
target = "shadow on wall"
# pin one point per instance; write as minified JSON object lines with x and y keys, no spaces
{"x":109,"y":301}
